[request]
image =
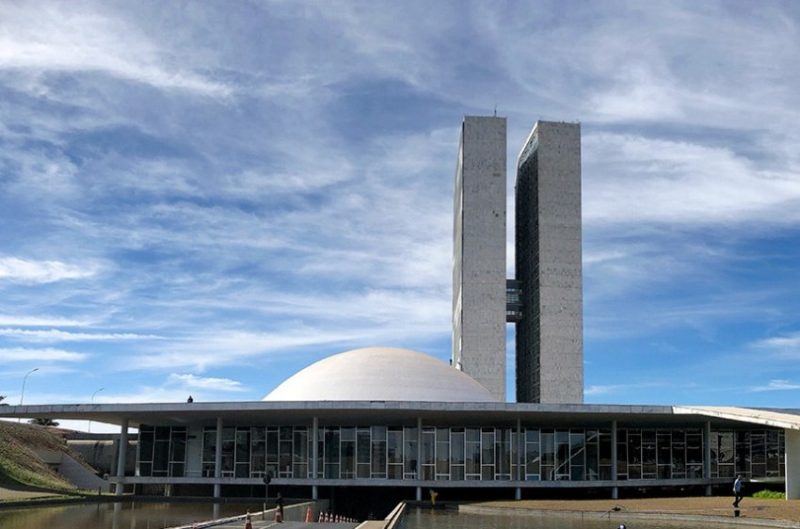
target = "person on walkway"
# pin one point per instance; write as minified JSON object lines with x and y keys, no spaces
{"x":248,"y":524}
{"x":279,"y":503}
{"x":737,"y":491}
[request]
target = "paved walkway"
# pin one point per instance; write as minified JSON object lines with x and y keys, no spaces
{"x":711,"y":506}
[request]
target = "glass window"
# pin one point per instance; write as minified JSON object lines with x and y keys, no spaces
{"x":410,"y":452}
{"x":378,"y":469}
{"x":258,"y":451}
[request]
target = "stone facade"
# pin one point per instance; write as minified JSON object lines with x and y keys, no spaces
{"x":479,"y":264}
{"x":549,"y":337}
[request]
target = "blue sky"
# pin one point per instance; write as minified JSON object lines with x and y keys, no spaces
{"x":204,"y":197}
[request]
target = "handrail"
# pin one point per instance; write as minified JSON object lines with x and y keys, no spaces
{"x":395,"y":516}
{"x":390,"y":522}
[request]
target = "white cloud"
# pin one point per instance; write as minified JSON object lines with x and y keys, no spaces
{"x":611,"y":389}
{"x":27,"y":271}
{"x":776,"y":385}
{"x":601,"y":389}
{"x":44,"y":38}
{"x":21,"y":354}
{"x":635,"y":180}
{"x":786,"y":346}
{"x":209,"y":383}
{"x":41,"y":321}
{"x":789,"y":341}
{"x":55,"y":335}
{"x":232,"y":347}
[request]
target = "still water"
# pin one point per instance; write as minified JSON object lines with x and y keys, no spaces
{"x":120,"y":515}
{"x":441,"y":519}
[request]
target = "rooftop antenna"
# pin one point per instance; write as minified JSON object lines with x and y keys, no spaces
{"x":495,"y":109}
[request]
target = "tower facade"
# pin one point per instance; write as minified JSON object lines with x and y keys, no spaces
{"x":549,"y":332}
{"x":479,"y":248}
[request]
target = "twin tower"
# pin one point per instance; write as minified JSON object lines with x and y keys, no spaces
{"x":544,"y":300}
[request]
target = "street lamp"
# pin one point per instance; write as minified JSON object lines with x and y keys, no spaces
{"x":22,"y":393}
{"x":92,"y":401}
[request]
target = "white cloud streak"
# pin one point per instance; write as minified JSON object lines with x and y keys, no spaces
{"x":21,"y":354}
{"x":209,"y":383}
{"x":27,"y":271}
{"x":41,"y":321}
{"x":636,"y":180}
{"x":104,"y":44}
{"x":55,"y":335}
{"x":776,"y":385}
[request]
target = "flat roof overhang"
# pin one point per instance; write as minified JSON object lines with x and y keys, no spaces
{"x":406,"y":413}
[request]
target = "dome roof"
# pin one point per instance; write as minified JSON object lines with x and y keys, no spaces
{"x":380,"y":373}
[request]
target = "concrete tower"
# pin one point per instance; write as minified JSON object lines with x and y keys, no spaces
{"x":479,"y":248}
{"x":548,"y":265}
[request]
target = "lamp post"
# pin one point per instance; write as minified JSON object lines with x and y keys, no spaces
{"x":22,"y":393}
{"x":92,"y":401}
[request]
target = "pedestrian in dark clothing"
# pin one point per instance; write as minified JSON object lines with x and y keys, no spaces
{"x":279,"y":503}
{"x":737,"y":491}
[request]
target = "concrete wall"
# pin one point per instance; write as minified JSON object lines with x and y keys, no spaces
{"x":479,"y":246}
{"x":792,"y":440}
{"x":102,"y":454}
{"x":548,"y":249}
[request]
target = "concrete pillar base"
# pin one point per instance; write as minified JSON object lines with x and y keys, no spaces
{"x":314,"y":493}
{"x":708,"y":490}
{"x":217,"y":490}
{"x":614,"y":493}
{"x":419,"y":493}
{"x":518,"y":493}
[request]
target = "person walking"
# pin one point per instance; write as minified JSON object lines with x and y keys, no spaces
{"x":279,"y":504}
{"x":737,"y":491}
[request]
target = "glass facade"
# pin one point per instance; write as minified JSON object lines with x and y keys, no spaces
{"x":464,"y":453}
{"x":751,"y":453}
{"x":161,"y":451}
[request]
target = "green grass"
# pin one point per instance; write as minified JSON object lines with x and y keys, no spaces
{"x":770,"y":495}
{"x":20,"y":467}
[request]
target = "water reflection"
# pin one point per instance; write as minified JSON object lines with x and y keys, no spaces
{"x":441,"y":519}
{"x":118,"y":515}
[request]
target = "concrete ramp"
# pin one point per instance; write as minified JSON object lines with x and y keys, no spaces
{"x":80,"y":476}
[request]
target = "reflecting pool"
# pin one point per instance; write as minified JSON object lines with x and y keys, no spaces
{"x":118,"y":515}
{"x":425,"y":518}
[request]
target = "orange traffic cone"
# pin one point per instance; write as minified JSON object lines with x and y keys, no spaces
{"x":309,"y":515}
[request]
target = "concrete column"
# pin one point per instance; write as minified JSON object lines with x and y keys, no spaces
{"x":315,"y":447}
{"x":122,"y":456}
{"x":707,"y":456}
{"x":520,"y":448}
{"x":419,"y":493}
{"x":614,"y":489}
{"x":792,"y":442}
{"x":315,"y":456}
{"x":419,"y":452}
{"x":218,"y":460}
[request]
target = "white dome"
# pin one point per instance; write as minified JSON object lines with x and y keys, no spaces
{"x":383,"y":374}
